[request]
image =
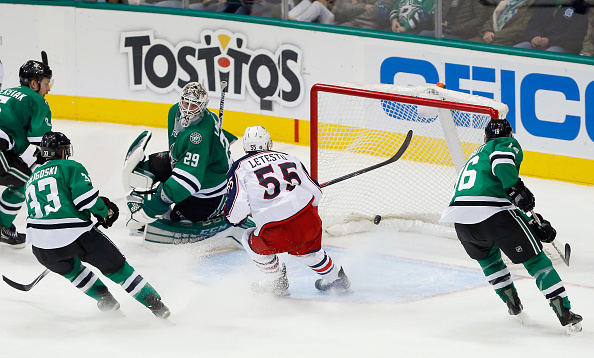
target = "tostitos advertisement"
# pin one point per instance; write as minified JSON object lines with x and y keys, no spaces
{"x":116,"y":65}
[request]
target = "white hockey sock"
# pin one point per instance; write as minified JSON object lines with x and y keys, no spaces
{"x":266,"y":263}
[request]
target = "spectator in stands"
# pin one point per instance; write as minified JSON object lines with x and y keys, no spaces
{"x":261,"y":8}
{"x":369,"y":18}
{"x":588,"y":44}
{"x":557,"y":26}
{"x":461,"y":19}
{"x":346,"y":10}
{"x":313,"y":11}
{"x":507,"y":23}
{"x":411,"y":16}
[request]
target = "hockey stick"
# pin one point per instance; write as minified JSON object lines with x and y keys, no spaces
{"x":44,"y":58}
{"x":565,"y":257}
{"x":22,"y":287}
{"x":373,"y":167}
{"x":223,"y":86}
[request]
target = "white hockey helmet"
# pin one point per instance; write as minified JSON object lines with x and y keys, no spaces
{"x":192,"y":103}
{"x":256,"y":139}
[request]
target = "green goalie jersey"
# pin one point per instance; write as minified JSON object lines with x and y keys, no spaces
{"x":60,"y":199}
{"x":480,"y":187}
{"x":200,"y":158}
{"x":24,"y":115}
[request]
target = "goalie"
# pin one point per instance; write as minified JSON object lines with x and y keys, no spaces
{"x":187,"y":183}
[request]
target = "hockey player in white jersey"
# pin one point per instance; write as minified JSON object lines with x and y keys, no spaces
{"x":277,"y":191}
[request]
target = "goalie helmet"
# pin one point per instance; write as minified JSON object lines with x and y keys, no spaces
{"x":53,"y":144}
{"x":256,"y":139}
{"x":498,"y":128}
{"x":192,"y":103}
{"x":33,"y":70}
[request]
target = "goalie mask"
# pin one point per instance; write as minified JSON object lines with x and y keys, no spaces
{"x":34,"y":70}
{"x":256,"y":139}
{"x":498,"y":128}
{"x":192,"y":103}
{"x":53,"y":144}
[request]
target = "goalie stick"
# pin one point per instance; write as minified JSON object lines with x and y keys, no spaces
{"x":223,"y":87}
{"x":373,"y":167}
{"x":564,"y":257}
{"x":23,"y":287}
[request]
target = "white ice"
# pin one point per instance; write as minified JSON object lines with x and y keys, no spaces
{"x":222,"y":318}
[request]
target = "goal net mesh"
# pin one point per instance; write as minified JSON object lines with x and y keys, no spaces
{"x":355,"y":126}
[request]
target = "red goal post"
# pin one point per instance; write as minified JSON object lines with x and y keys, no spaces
{"x":355,"y":125}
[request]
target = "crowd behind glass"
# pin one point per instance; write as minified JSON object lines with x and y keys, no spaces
{"x":545,"y":25}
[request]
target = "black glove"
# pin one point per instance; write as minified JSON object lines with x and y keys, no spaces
{"x":112,"y":214}
{"x":38,"y":158}
{"x":543,"y":231}
{"x":521,"y":196}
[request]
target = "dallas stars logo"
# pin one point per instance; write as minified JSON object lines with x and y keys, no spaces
{"x":195,"y":138}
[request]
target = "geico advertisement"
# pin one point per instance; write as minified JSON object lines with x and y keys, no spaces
{"x":551,"y":104}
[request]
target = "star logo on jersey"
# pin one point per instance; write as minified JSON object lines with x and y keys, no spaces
{"x":195,"y":138}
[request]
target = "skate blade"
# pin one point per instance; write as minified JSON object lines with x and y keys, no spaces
{"x":573,"y":328}
{"x":116,"y":314}
{"x":523,"y":318}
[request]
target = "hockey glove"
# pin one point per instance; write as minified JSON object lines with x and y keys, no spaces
{"x":521,"y":196}
{"x":146,"y":208}
{"x":113,"y":212}
{"x":543,"y":231}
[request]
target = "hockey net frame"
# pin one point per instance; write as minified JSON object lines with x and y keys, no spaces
{"x":378,"y":98}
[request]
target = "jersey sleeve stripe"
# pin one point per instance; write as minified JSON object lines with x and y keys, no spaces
{"x":190,"y":181}
{"x":34,"y":140}
{"x":86,"y":200}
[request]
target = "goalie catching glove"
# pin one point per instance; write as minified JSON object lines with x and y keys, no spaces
{"x":521,"y":196}
{"x":543,"y":230}
{"x":146,"y":207}
{"x":112,"y":213}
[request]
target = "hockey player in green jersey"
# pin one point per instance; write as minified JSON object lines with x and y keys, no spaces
{"x":487,"y":220}
{"x":190,"y":178}
{"x":24,"y":118}
{"x":60,"y":200}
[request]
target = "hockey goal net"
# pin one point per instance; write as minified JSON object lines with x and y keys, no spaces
{"x":354,"y":126}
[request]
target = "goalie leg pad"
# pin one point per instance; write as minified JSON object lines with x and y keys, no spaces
{"x":165,"y":231}
{"x":134,"y":156}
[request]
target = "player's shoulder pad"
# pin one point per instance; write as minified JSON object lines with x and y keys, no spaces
{"x":506,"y":144}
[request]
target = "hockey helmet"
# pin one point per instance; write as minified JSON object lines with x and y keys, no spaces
{"x":33,"y":70}
{"x":192,"y":103}
{"x":256,"y":139}
{"x":53,"y":144}
{"x":498,"y":128}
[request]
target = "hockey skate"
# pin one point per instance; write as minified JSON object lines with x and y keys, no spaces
{"x":108,"y":303}
{"x":568,"y":319}
{"x":156,"y":306}
{"x":11,"y":237}
{"x":276,"y":284}
{"x":342,"y":283}
{"x":514,"y":305}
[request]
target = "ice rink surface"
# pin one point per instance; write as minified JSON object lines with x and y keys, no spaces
{"x":412,"y":295}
